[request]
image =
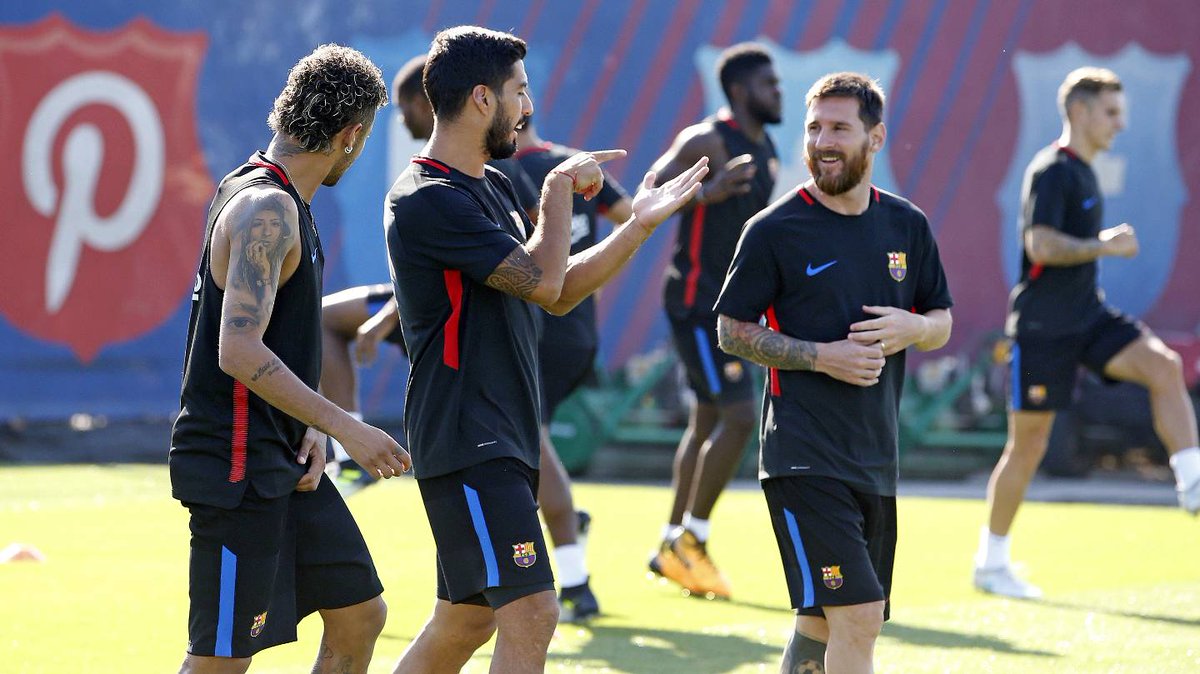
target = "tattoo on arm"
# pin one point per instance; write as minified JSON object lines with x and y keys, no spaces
{"x":262,"y":231}
{"x":268,"y":369}
{"x":517,"y":275}
{"x":1054,"y":248}
{"x":765,"y":347}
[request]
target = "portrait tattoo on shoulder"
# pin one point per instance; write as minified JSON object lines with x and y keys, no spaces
{"x":517,"y":275}
{"x":260,"y":237}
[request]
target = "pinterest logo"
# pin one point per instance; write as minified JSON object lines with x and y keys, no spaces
{"x":76,"y":223}
{"x":106,"y":228}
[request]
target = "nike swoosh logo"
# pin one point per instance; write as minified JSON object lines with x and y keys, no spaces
{"x":1088,"y":203}
{"x":814,"y":271}
{"x":314,"y":256}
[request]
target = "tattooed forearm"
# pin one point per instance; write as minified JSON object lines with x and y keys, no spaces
{"x":267,"y":369}
{"x":517,"y":275}
{"x":765,"y":347}
{"x":1050,"y":247}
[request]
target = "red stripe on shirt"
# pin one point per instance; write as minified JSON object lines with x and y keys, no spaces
{"x":429,"y":162}
{"x":278,"y":172}
{"x":773,"y":373}
{"x":875,"y":191}
{"x":1035,"y":271}
{"x":453,"y":279}
{"x":805,"y":196}
{"x":241,"y":426}
{"x":693,"y":275}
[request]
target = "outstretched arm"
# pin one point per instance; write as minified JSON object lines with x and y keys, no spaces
{"x":535,"y":270}
{"x":588,"y":270}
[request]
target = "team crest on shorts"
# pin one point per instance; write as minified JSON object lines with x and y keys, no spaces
{"x":832,"y":575}
{"x":734,"y":371}
{"x":898,"y":265}
{"x":260,"y":621}
{"x":524,"y":555}
{"x":1037,"y":394}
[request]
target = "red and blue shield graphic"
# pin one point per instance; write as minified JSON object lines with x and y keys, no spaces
{"x":524,"y":554}
{"x":107,"y":184}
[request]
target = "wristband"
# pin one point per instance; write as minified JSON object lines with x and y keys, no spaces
{"x":564,"y":173}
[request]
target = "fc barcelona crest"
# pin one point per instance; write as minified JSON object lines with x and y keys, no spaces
{"x":832,"y":575}
{"x":524,"y":555}
{"x":898,"y":265}
{"x":260,"y":621}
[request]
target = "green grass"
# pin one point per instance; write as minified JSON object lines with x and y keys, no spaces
{"x":1123,"y":585}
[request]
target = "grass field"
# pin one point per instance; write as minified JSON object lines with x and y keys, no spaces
{"x":1123,"y":585}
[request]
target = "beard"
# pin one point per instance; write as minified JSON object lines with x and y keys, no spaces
{"x":853,"y":169}
{"x":498,"y":141}
{"x":764,"y":112}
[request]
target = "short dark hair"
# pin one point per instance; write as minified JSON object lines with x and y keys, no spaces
{"x":326,"y":91}
{"x":463,"y":57}
{"x":1085,"y":84}
{"x":407,"y":82}
{"x":865,"y":90}
{"x":738,"y":62}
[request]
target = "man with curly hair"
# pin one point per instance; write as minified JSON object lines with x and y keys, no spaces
{"x":271,"y":539}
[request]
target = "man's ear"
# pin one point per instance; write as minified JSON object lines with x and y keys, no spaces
{"x":482,"y":97}
{"x":878,"y":135}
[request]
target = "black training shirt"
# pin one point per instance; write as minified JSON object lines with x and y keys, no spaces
{"x":473,"y":384}
{"x":708,"y":233}
{"x":809,"y":271}
{"x":1060,"y":191}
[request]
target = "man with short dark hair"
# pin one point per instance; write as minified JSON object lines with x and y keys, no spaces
{"x":847,"y":277}
{"x":358,"y":319}
{"x":1058,"y":319}
{"x":271,"y":539}
{"x":470,"y":271}
{"x":721,"y":415}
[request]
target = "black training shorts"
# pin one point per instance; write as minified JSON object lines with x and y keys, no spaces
{"x":716,"y":377}
{"x":490,"y":549}
{"x":258,"y":569}
{"x":838,"y":545}
{"x":1042,"y":369}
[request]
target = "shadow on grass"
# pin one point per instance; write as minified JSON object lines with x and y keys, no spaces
{"x":630,"y":649}
{"x":925,"y":636}
{"x":1139,"y":615}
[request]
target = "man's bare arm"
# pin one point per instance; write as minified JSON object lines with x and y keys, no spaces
{"x":588,"y":270}
{"x":258,"y":256}
{"x":844,"y":360}
{"x":535,"y":270}
{"x":1048,"y":246}
{"x":764,"y":346}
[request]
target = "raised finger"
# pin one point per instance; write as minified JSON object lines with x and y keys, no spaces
{"x":869,"y":324}
{"x":739,"y":161}
{"x":696,"y":172}
{"x":602,"y":156}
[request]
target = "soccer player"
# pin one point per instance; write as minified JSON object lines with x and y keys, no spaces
{"x":271,"y":539}
{"x":567,"y":354}
{"x":358,"y":319}
{"x":721,"y":417}
{"x":1058,"y":319}
{"x":847,"y":277}
{"x":471,"y":273}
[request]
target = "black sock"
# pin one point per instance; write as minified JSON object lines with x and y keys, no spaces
{"x":803,"y":655}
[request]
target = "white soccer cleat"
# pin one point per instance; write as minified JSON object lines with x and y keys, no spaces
{"x":1189,"y":499}
{"x":1002,"y":581}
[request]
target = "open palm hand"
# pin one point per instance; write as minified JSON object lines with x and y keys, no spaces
{"x":652,"y":205}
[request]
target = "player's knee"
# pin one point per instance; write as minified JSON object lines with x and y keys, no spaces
{"x":535,"y":615}
{"x":204,"y":665}
{"x":467,"y":632}
{"x":860,"y":622}
{"x":357,"y":624}
{"x":1166,"y":367}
